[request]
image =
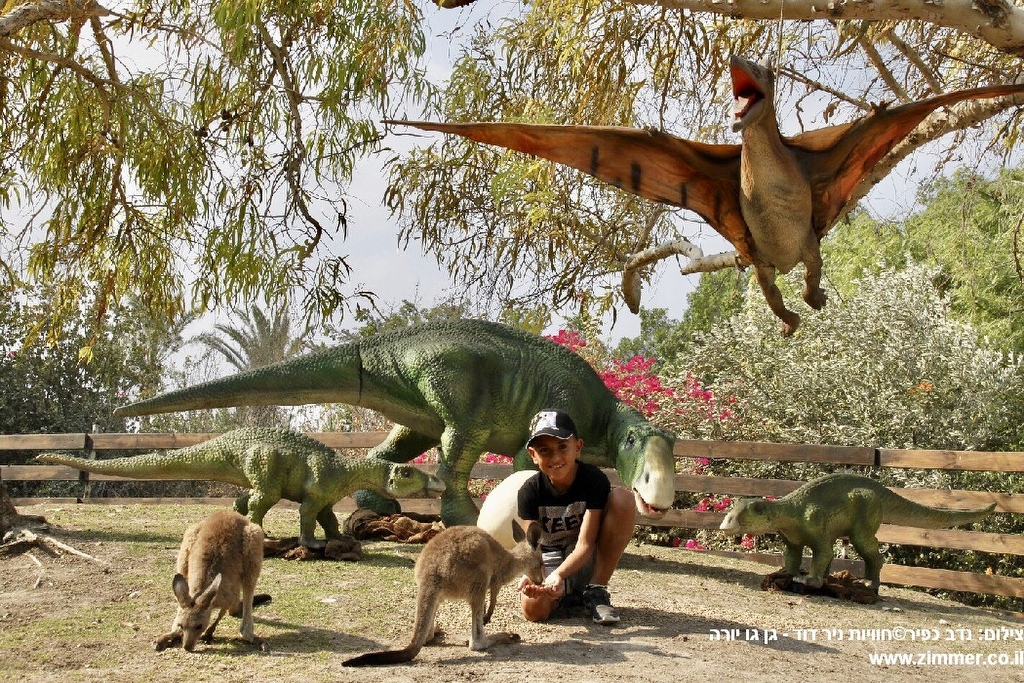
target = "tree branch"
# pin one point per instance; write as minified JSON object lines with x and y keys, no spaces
{"x":49,"y":10}
{"x":997,"y":22}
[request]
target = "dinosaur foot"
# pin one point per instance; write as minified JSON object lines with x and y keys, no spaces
{"x":840,"y":585}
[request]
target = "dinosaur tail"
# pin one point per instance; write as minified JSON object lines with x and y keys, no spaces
{"x":328,"y":376}
{"x":899,"y":510}
{"x":193,"y":462}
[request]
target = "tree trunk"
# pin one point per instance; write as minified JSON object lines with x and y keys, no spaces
{"x":8,"y":515}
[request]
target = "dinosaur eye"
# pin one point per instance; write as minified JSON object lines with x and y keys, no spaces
{"x":630,"y":441}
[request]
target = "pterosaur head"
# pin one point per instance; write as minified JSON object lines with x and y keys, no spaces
{"x":753,"y":91}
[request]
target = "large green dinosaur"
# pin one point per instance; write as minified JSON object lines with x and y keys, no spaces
{"x":833,"y":506}
{"x":467,"y":386}
{"x":273,"y":464}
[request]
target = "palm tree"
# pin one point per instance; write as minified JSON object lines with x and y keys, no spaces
{"x":258,"y":338}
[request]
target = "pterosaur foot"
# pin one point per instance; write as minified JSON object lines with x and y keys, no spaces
{"x":815,"y":298}
{"x":790,"y":322}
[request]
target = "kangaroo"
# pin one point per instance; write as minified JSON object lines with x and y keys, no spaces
{"x":463,"y":563}
{"x":218,"y":565}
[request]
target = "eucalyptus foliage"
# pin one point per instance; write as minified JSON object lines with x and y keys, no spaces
{"x":518,"y":230}
{"x":197,"y":153}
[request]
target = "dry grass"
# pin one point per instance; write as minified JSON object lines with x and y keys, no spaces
{"x":63,"y":618}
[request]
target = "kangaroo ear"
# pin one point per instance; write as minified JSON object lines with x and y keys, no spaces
{"x":207,"y":596}
{"x":180,"y":587}
{"x":533,"y":534}
{"x":518,"y":535}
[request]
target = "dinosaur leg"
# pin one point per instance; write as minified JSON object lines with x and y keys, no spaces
{"x":459,"y":452}
{"x":241,"y":505}
{"x":814,"y":295}
{"x":401,"y":445}
{"x":259,"y":503}
{"x":309,"y":509}
{"x":328,"y":521}
{"x":821,"y":559}
{"x":766,"y":278}
{"x":866,"y":545}
{"x":793,"y":556}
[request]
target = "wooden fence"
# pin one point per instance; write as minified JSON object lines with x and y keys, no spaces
{"x":1006,"y":503}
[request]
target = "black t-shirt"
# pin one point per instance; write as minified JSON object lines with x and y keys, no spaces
{"x":561,"y":514}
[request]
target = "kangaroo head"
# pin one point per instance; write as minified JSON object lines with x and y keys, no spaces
{"x":194,"y":611}
{"x":527,"y":550}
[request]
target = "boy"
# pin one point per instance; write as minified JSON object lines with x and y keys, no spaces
{"x":586,"y":524}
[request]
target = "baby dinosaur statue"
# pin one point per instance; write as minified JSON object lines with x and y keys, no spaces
{"x":773,"y":197}
{"x":468,"y":386}
{"x":833,"y":506}
{"x":273,"y":464}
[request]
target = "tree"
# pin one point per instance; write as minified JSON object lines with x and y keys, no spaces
{"x":888,"y":367}
{"x":970,"y":228}
{"x":256,"y":340}
{"x":525,"y":230}
{"x":197,"y":153}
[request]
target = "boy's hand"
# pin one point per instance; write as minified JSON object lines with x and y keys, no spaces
{"x":533,"y":590}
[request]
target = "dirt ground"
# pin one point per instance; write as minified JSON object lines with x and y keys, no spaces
{"x":686,"y":616}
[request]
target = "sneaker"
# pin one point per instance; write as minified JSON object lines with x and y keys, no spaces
{"x":598,"y":602}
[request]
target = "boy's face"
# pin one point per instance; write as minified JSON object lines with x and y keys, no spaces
{"x":556,"y":457}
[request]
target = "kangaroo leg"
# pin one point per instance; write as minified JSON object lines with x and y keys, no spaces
{"x":477,"y":639}
{"x":207,"y":636}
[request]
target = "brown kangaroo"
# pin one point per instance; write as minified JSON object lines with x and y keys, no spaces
{"x":463,"y":563}
{"x":218,"y":565}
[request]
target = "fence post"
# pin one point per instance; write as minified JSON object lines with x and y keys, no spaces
{"x":83,"y":476}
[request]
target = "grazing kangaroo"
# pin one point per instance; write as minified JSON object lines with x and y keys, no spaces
{"x":463,"y":563}
{"x":218,"y":565}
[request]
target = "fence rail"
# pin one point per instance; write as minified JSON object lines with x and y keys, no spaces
{"x":953,"y":539}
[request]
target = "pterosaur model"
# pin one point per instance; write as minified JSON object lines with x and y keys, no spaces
{"x":772,"y":197}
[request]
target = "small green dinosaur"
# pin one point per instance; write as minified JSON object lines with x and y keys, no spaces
{"x":833,"y":506}
{"x":273,"y":464}
{"x":466,"y":386}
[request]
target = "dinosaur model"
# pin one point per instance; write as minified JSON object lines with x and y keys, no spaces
{"x":833,"y":506}
{"x":773,"y":197}
{"x":272,"y":464}
{"x":467,"y":386}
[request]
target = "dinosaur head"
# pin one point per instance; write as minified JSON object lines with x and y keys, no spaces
{"x":753,"y":91}
{"x":748,"y":516}
{"x":646,"y":464}
{"x":407,"y":481}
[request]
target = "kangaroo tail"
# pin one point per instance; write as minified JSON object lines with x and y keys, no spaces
{"x":427,"y":600}
{"x":899,"y":510}
{"x":328,"y":376}
{"x":384,"y":657}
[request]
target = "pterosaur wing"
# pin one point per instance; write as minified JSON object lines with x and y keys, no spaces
{"x":840,"y":157}
{"x":701,"y":177}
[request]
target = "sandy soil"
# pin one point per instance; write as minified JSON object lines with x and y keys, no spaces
{"x":686,"y":616}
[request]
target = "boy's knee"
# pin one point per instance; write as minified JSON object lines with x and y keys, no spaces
{"x":621,"y":506}
{"x":537,"y":610}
